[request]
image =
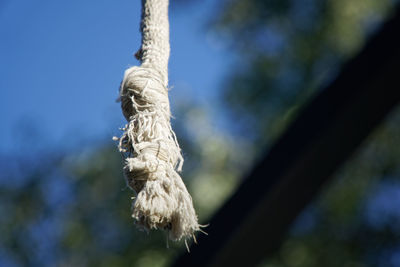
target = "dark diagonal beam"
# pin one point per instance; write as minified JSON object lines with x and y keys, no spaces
{"x":252,"y":223}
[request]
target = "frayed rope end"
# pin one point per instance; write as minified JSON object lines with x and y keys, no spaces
{"x":153,"y":157}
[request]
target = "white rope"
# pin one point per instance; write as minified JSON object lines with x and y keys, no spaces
{"x":153,"y":156}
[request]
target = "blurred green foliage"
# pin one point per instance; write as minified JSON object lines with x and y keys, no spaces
{"x":288,"y":50}
{"x":73,"y":209}
{"x":354,"y":220}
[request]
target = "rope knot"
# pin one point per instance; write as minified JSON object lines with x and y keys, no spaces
{"x":152,"y":154}
{"x":143,"y":87}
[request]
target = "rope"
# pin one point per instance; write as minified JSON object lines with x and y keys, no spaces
{"x":152,"y":154}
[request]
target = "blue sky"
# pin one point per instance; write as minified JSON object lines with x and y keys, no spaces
{"x":62,"y":62}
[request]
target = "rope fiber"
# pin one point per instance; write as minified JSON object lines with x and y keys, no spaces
{"x":152,"y":154}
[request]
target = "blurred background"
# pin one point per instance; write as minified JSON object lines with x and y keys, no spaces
{"x":239,"y":72}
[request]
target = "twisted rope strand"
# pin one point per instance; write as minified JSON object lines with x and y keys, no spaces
{"x":152,"y":153}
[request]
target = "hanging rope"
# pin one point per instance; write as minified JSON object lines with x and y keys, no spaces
{"x":152,"y":153}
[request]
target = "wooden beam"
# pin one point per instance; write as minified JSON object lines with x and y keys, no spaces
{"x":253,"y":222}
